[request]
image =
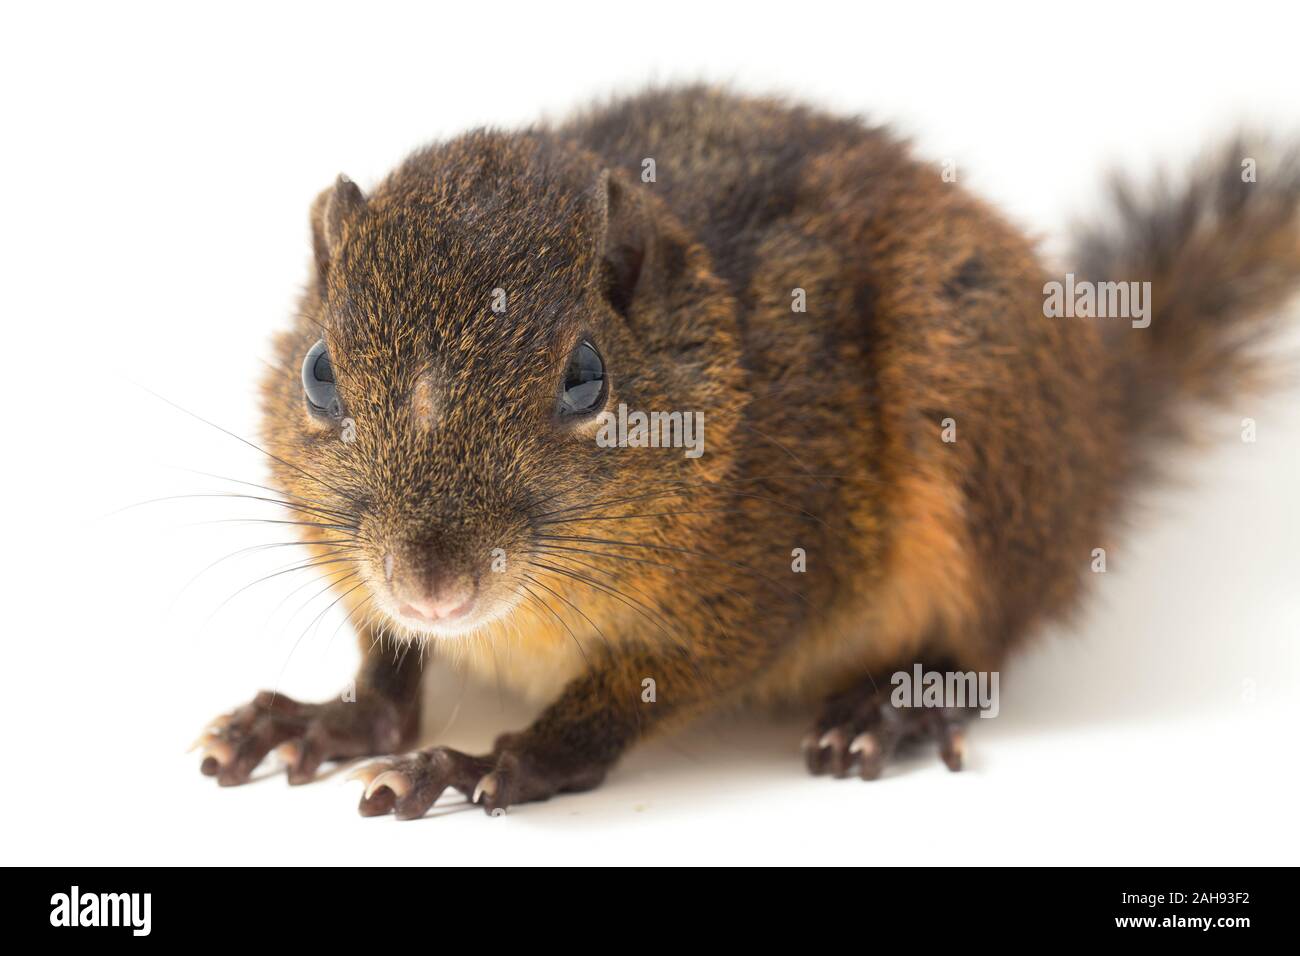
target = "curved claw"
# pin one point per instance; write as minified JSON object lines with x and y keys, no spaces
{"x":368,"y":772}
{"x":396,"y":781}
{"x":486,"y":786}
{"x":952,"y":747}
{"x":873,"y":748}
{"x":219,"y":750}
{"x":865,"y":744}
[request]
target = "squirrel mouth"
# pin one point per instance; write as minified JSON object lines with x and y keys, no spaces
{"x":466,"y":614}
{"x":433,"y":611}
{"x":449,"y":626}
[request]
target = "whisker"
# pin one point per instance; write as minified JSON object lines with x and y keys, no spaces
{"x":274,"y":574}
{"x":227,"y":494}
{"x":234,"y":554}
{"x":345,"y":559}
{"x":691,"y":488}
{"x":253,"y":484}
{"x":553,"y":555}
{"x":579,"y":610}
{"x":563,"y":623}
{"x":279,"y":677}
{"x":613,"y":592}
{"x":298,"y":524}
{"x":240,"y":438}
{"x":617,"y":542}
{"x":653,"y":514}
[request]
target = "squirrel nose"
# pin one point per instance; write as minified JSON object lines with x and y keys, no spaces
{"x":441,"y":605}
{"x":428,"y":590}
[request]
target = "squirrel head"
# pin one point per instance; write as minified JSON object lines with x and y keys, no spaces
{"x":442,"y":410}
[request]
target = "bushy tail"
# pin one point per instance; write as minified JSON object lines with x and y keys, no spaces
{"x":1222,"y":254}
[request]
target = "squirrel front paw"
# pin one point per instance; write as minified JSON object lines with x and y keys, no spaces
{"x":408,"y":785}
{"x":306,"y":735}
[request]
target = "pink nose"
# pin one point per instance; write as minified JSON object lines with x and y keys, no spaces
{"x":440,"y":607}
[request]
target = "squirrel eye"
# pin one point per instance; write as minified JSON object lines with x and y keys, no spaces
{"x":584,"y":381}
{"x":318,"y":382}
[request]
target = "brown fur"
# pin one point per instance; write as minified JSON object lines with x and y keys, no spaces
{"x":822,"y":427}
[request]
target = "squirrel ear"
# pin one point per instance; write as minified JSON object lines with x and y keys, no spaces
{"x":621,"y":229}
{"x":329,"y":213}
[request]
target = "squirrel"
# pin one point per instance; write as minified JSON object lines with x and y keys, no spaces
{"x":906,"y":459}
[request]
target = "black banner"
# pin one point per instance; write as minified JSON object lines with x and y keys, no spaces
{"x":943,"y":907}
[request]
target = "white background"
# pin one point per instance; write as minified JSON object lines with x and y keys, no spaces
{"x":159,"y":162}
